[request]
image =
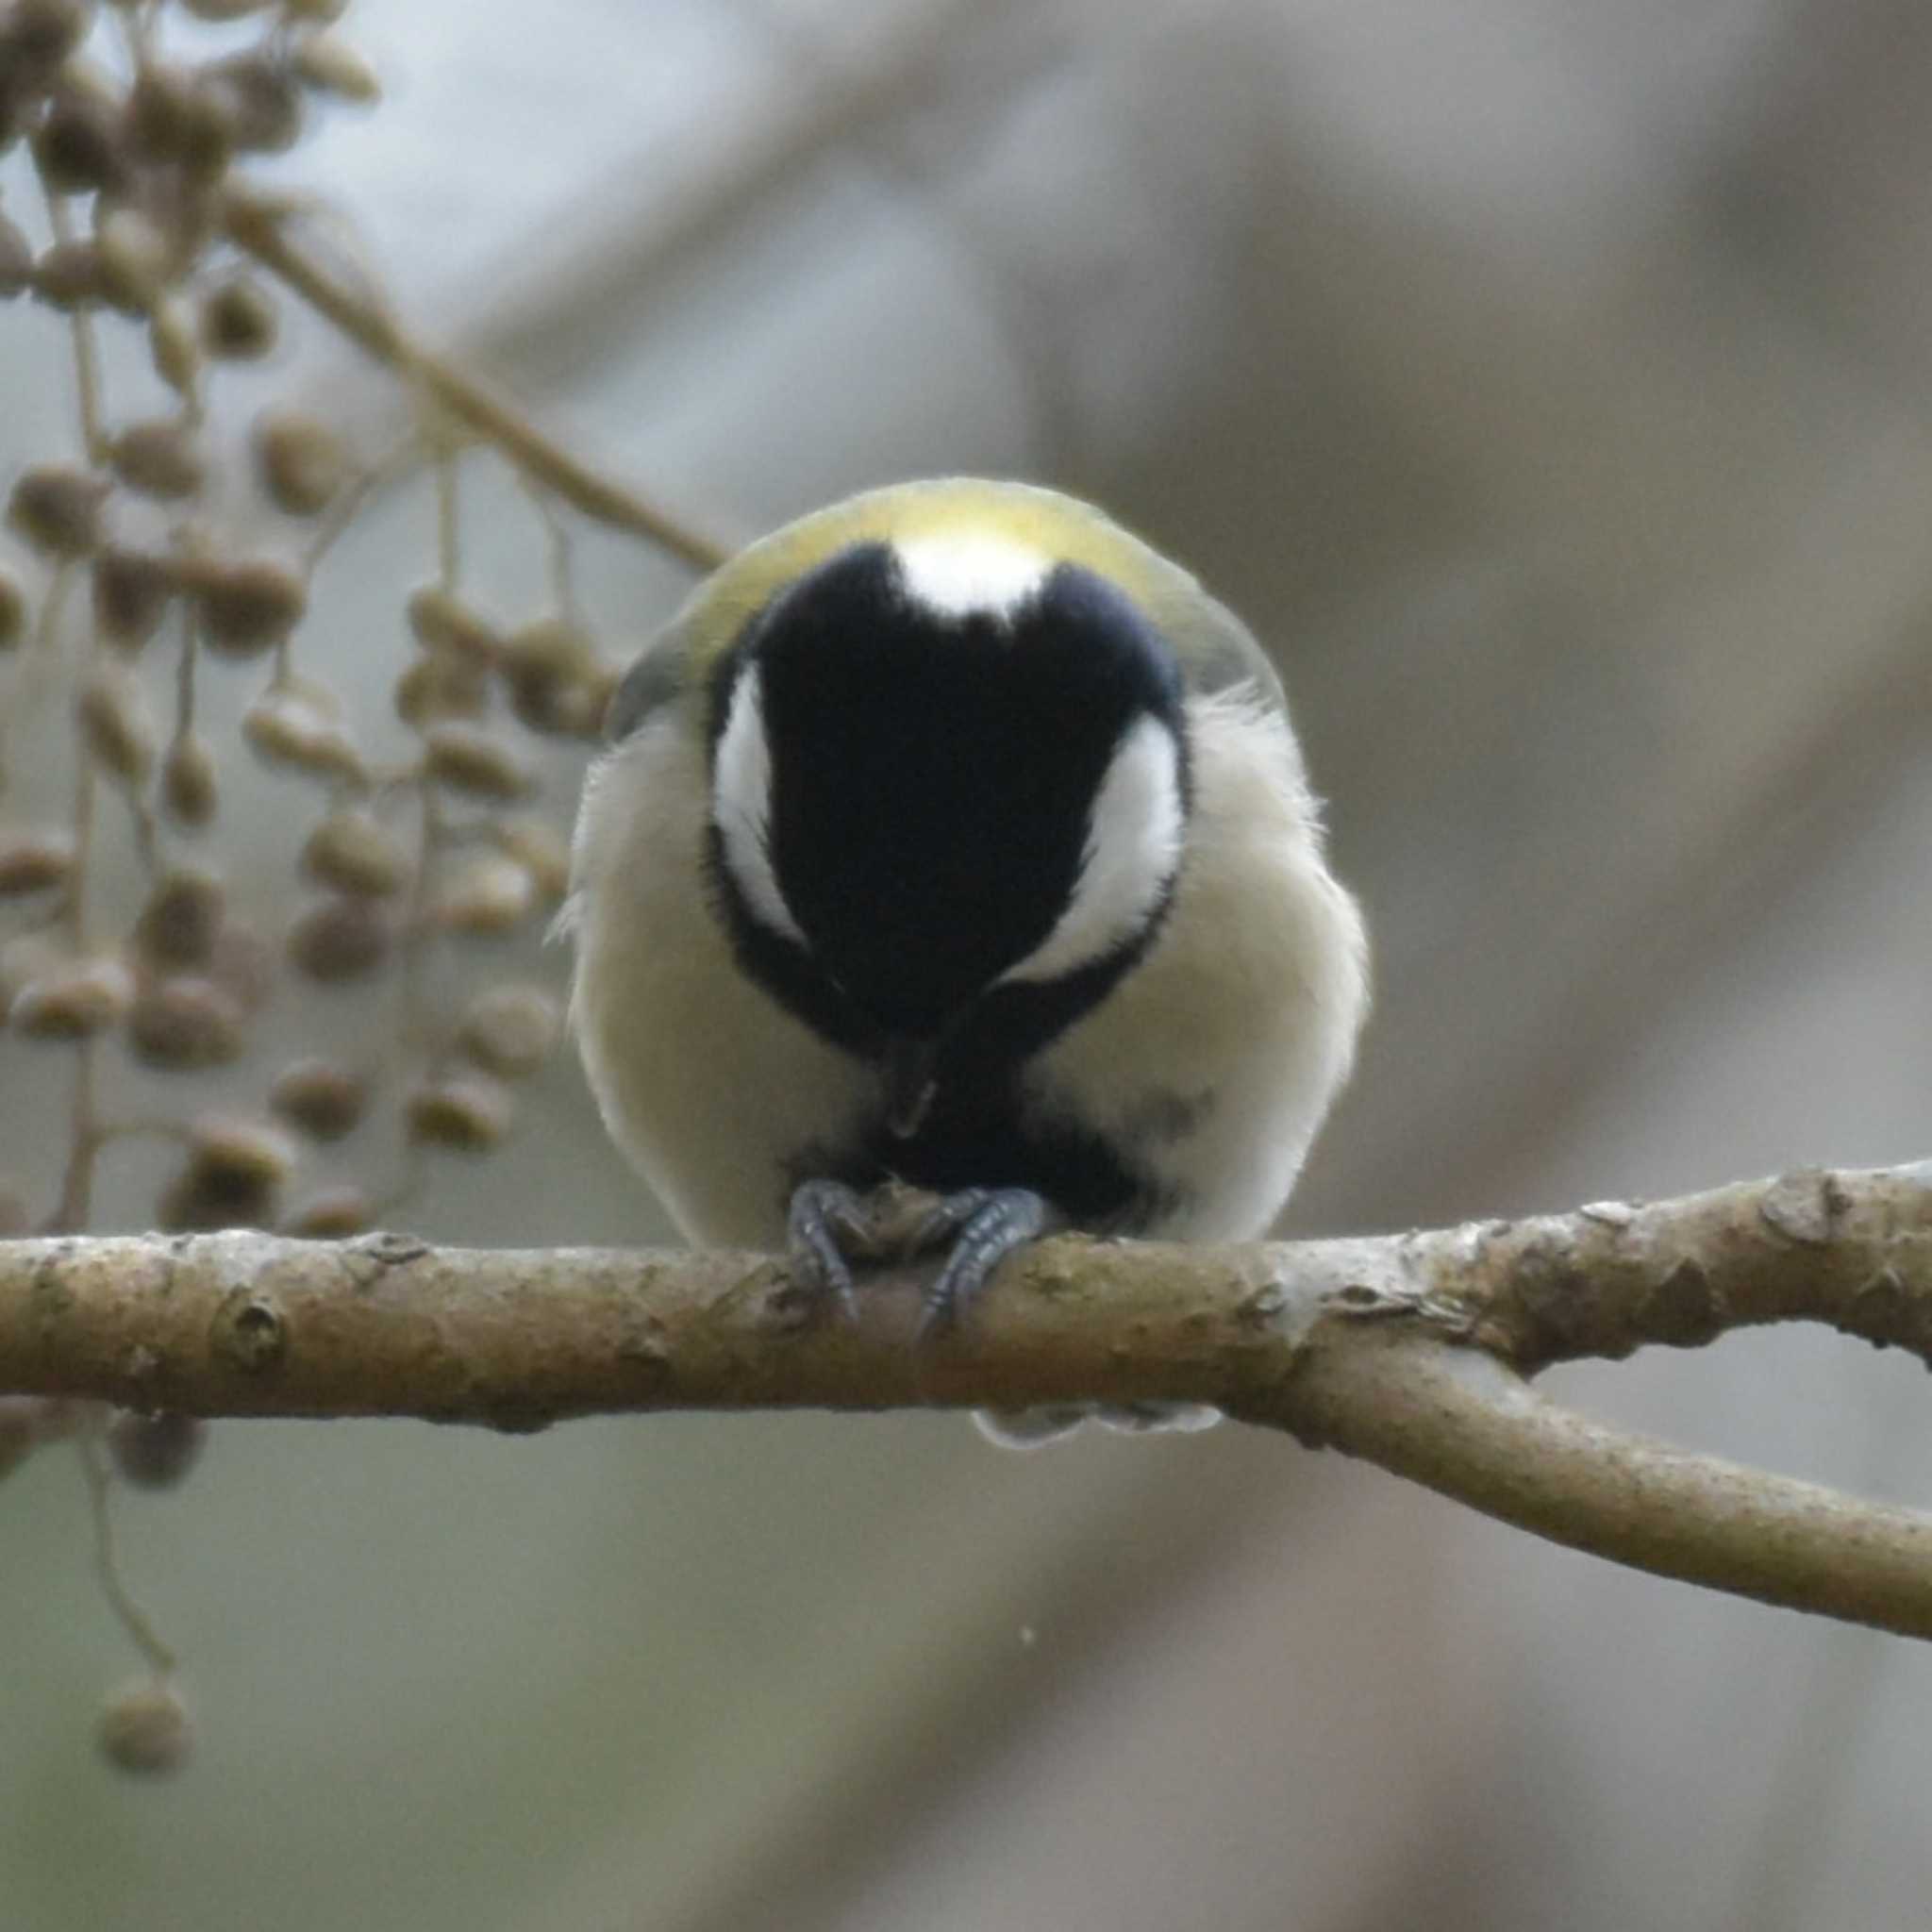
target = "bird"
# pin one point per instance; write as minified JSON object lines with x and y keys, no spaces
{"x":952,"y":837}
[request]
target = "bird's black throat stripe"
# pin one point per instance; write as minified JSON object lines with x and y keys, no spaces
{"x":932,"y":779}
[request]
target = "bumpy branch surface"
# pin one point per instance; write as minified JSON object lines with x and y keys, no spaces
{"x":1410,"y":1350}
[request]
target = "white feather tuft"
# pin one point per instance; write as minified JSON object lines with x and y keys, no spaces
{"x":1133,"y":851}
{"x":741,"y":806}
{"x":967,"y":573}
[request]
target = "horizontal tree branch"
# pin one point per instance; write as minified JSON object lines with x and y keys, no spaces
{"x":1410,"y":1350}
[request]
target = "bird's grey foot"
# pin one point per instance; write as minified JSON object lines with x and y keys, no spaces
{"x":827,"y":1223}
{"x":984,"y":1225}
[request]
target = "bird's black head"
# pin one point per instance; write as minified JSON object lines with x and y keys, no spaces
{"x":949,"y":792}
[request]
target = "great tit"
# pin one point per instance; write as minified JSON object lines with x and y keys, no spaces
{"x":953,"y":836}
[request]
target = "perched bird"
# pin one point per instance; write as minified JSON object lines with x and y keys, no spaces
{"x":953,"y":836}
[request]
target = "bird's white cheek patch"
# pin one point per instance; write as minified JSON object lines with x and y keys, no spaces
{"x":960,"y":573}
{"x":1133,"y":851}
{"x":741,"y":806}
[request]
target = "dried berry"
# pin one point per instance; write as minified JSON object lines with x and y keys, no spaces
{"x":16,"y":260}
{"x":329,"y":64}
{"x":488,"y":896}
{"x":57,"y":508}
{"x":177,"y":927}
{"x":237,"y":320}
{"x":509,"y":1030}
{"x":353,"y":851}
{"x":261,"y":98}
{"x":33,"y":861}
{"x":288,"y":726}
{"x":189,"y":787}
{"x":245,"y":607}
{"x":240,"y":1152}
{"x":540,"y":848}
{"x":184,"y":1023}
{"x":136,"y":259}
{"x":69,"y":275}
{"x":31,"y":956}
{"x":115,"y":722}
{"x":243,"y":965}
{"x":468,"y":1115}
{"x":73,"y":1001}
{"x":155,"y":1452}
{"x":163,"y":113}
{"x":331,"y":1214}
{"x":556,"y":681}
{"x":324,"y":1100}
{"x":144,"y":1728}
{"x":441,"y":686}
{"x":339,"y":939}
{"x":473,"y":760}
{"x":131,"y":591}
{"x":19,"y":1429}
{"x":572,"y":709}
{"x":302,"y":461}
{"x":36,"y":35}
{"x":175,"y":345}
{"x":443,"y":621}
{"x":13,"y":610}
{"x":158,"y":458}
{"x":552,"y":649}
{"x":78,"y":145}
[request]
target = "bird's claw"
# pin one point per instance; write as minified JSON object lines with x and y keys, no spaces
{"x":831,"y":1226}
{"x":984,"y":1226}
{"x":824,"y":1218}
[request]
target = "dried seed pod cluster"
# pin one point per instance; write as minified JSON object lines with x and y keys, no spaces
{"x":141,"y":635}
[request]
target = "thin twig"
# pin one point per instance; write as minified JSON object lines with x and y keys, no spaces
{"x":131,"y":1617}
{"x":258,"y":225}
{"x":80,"y":329}
{"x":1409,"y":1350}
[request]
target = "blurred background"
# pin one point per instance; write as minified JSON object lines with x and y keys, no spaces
{"x":1548,"y":383}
